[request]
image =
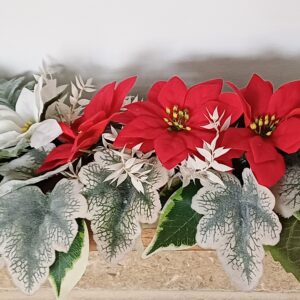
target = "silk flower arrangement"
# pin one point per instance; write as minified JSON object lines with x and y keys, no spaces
{"x":225,"y":165}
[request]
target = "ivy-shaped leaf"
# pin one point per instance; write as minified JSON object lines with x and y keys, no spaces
{"x":21,"y":171}
{"x":15,"y":151}
{"x":116,"y":212}
{"x":288,"y":192}
{"x":237,"y":221}
{"x":24,"y":167}
{"x":177,"y":225}
{"x":34,"y":225}
{"x":287,"y":251}
{"x":69,"y":267}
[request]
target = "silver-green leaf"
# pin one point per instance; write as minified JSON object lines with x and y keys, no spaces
{"x":34,"y":225}
{"x":237,"y":222}
{"x":116,"y":212}
{"x":23,"y":168}
{"x":21,"y":171}
{"x":288,"y":192}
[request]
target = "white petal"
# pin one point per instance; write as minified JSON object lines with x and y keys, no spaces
{"x":8,"y":114}
{"x":44,"y":133}
{"x":8,"y":125}
{"x":26,"y":106}
{"x":8,"y":139}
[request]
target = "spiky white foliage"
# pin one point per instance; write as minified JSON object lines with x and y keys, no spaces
{"x":196,"y":168}
{"x":128,"y":166}
{"x":68,"y":109}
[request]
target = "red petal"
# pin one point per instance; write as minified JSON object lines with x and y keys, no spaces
{"x":121,"y":92}
{"x":170,"y":147}
{"x":285,"y":99}
{"x":57,"y":157}
{"x":90,"y":137}
{"x":146,"y":108}
{"x":172,"y":93}
{"x":68,"y":134}
{"x":154,"y":91}
{"x":103,"y":100}
{"x":144,"y":127}
{"x":267,"y":173}
{"x":175,"y":160}
{"x":97,"y":118}
{"x":199,"y":94}
{"x":246,"y":106}
{"x":237,"y":138}
{"x":262,"y":149}
{"x":232,"y":105}
{"x":123,"y":117}
{"x":196,"y":137}
{"x":258,"y":93}
{"x":286,"y":136}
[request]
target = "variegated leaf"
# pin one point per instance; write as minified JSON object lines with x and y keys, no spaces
{"x":21,"y":171}
{"x":14,"y":151}
{"x":287,"y":192}
{"x":116,"y":212}
{"x":237,"y":222}
{"x":24,"y":167}
{"x":69,"y":267}
{"x":34,"y":225}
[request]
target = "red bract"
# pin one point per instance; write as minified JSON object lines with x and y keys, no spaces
{"x":86,"y":131}
{"x":170,"y":120}
{"x":272,"y":121}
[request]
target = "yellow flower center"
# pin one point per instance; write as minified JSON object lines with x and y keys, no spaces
{"x":26,"y":126}
{"x":264,"y":125}
{"x":177,"y":119}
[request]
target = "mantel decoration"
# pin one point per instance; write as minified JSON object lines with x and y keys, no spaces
{"x":216,"y":169}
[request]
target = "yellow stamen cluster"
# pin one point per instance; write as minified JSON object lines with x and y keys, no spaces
{"x":264,"y":125}
{"x":26,"y":126}
{"x":177,"y":119}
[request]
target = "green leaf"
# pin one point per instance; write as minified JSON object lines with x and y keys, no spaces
{"x":287,"y":251}
{"x":288,"y":192}
{"x":15,"y":151}
{"x":10,"y":90}
{"x":24,"y":167}
{"x":177,"y":225}
{"x":69,"y":267}
{"x":21,"y":171}
{"x":34,"y":225}
{"x":237,"y":221}
{"x":117,"y":211}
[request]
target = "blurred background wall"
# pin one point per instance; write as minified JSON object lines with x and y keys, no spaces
{"x":110,"y":39}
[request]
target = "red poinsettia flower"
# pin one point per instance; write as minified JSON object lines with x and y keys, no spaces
{"x":272,"y":122}
{"x":86,"y":131}
{"x":170,"y":120}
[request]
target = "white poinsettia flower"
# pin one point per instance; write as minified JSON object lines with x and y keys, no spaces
{"x":24,"y":122}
